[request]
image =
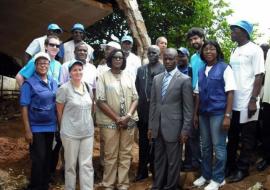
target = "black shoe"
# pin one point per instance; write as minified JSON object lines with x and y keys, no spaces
{"x":141,"y":177}
{"x":228,"y":172}
{"x":262,"y":165}
{"x":237,"y":176}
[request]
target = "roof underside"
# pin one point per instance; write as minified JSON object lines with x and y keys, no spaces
{"x":24,"y":20}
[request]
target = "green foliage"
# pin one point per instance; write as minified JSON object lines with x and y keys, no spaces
{"x":172,"y":19}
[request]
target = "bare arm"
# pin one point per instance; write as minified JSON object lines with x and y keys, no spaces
{"x":107,"y":110}
{"x":252,"y":107}
{"x":27,"y":128}
{"x":20,"y":79}
{"x":94,"y":100}
{"x":27,"y":57}
{"x":60,"y":109}
{"x":227,"y":120}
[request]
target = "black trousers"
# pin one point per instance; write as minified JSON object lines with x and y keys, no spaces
{"x":40,"y":153}
{"x":246,"y":134}
{"x":55,"y":153}
{"x":145,"y":155}
{"x":167,"y":164}
{"x":266,"y":131}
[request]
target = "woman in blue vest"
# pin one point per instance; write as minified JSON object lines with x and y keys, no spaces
{"x":214,"y":98}
{"x":39,"y":118}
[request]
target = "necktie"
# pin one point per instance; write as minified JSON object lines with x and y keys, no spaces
{"x":165,"y":84}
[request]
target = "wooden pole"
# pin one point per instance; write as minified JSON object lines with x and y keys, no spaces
{"x":136,"y":24}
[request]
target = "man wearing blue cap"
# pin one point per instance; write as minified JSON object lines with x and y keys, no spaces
{"x":183,"y":61}
{"x":247,"y":62}
{"x":191,"y":146}
{"x":133,"y":61}
{"x":78,"y":35}
{"x":37,"y":45}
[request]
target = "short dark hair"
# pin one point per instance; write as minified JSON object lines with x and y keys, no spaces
{"x":110,"y":57}
{"x":195,"y":31}
{"x":79,"y":44}
{"x":220,"y":55}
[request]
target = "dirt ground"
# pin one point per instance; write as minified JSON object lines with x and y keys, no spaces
{"x":15,"y":164}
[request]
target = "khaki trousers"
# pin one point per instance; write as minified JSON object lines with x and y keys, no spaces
{"x":81,"y":150}
{"x":117,"y":157}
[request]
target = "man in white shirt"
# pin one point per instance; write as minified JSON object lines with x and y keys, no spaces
{"x":89,"y":70}
{"x":247,"y":62}
{"x":78,"y":35}
{"x":133,"y":61}
{"x":265,"y":130}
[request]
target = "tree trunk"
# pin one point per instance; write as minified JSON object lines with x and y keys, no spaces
{"x":136,"y":24}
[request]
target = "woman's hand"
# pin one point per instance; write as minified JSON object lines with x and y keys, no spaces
{"x":226,"y":123}
{"x":124,"y":121}
{"x":118,"y":121}
{"x":28,"y":137}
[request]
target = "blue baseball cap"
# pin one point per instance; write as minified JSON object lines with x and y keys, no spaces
{"x":245,"y":25}
{"x":127,"y":38}
{"x":74,"y":62}
{"x":183,"y":51}
{"x":78,"y":26}
{"x":54,"y":27}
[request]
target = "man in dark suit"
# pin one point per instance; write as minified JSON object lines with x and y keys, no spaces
{"x":144,"y":81}
{"x":170,"y":121}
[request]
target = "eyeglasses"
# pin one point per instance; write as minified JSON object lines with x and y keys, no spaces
{"x":56,"y":31}
{"x":54,"y":45}
{"x":117,"y":57}
{"x":209,"y":50}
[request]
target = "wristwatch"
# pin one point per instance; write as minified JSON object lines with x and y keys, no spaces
{"x":129,"y":114}
{"x":229,"y":115}
{"x":255,"y":98}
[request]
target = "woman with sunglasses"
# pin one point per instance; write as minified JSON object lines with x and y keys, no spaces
{"x":117,"y":101}
{"x":213,"y":107}
{"x":52,"y":45}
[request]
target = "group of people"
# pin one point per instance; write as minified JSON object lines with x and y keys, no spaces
{"x":202,"y":105}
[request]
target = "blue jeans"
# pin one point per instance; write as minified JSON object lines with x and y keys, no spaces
{"x":213,"y":137}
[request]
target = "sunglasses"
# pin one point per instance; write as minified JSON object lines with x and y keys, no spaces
{"x":117,"y":57}
{"x":57,"y":31}
{"x":54,"y":45}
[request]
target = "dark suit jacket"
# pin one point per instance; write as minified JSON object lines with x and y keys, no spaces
{"x":174,"y":114}
{"x":144,"y":81}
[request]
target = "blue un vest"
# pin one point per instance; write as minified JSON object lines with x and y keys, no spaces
{"x":42,"y":109}
{"x":212,"y":94}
